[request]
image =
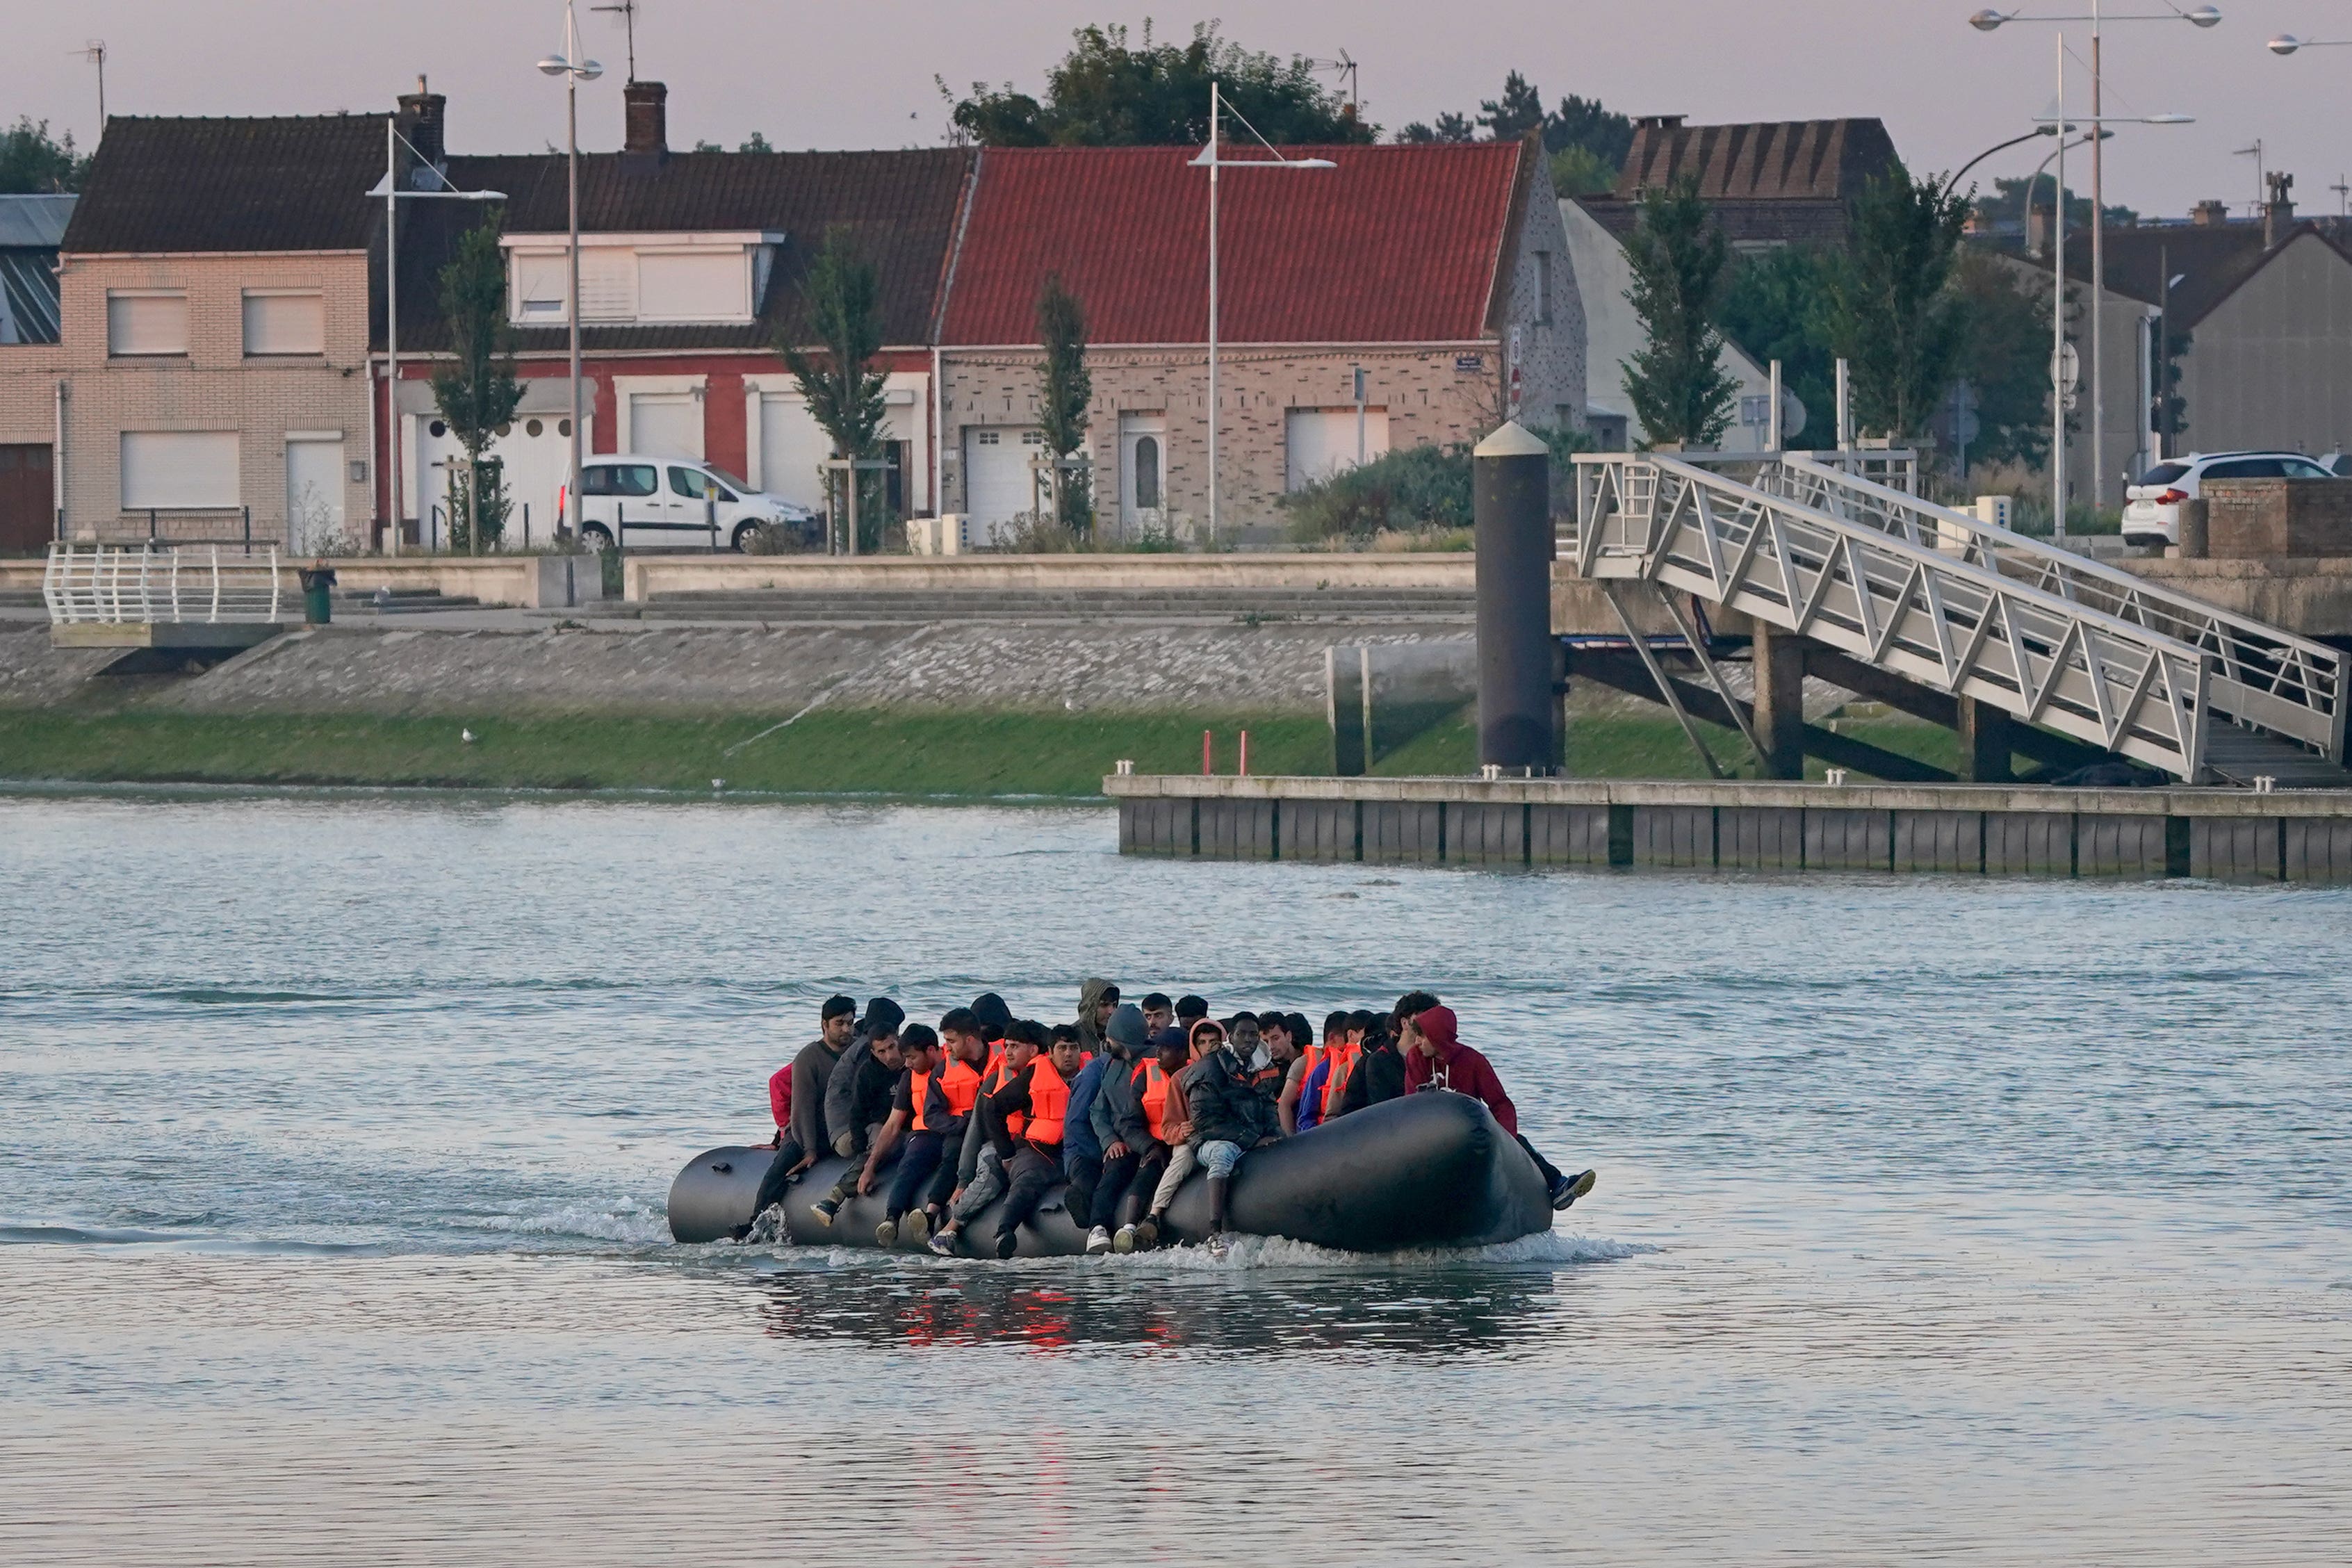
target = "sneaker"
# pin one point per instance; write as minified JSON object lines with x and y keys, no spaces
{"x":824,"y":1209}
{"x":1124,"y":1242}
{"x":918,"y":1226}
{"x":887,"y":1234}
{"x":1568,"y":1189}
{"x":1008,"y":1242}
{"x":1147,"y":1233}
{"x":943,"y":1244}
{"x":1098,"y":1240}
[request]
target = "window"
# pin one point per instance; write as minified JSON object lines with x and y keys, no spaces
{"x":285,"y":323}
{"x":608,"y":284}
{"x":180,"y":470}
{"x":708,"y":287}
{"x":985,"y":437}
{"x":2304,"y":468}
{"x":1543,"y":288}
{"x":539,"y":287}
{"x":147,"y":322}
{"x":619,"y":479}
{"x":1756,"y":410}
{"x":688,"y":483}
{"x":2164,"y":473}
{"x":1146,"y":472}
{"x":2245,"y":469}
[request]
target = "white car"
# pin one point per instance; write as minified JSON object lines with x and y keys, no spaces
{"x":2152,"y":506}
{"x":672,"y":502}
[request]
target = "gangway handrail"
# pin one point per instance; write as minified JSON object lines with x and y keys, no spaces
{"x":1952,"y":625}
{"x":88,"y":582}
{"x":2291,"y":685}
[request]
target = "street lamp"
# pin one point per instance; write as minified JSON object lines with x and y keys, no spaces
{"x":389,"y":189}
{"x":2287,"y":43}
{"x":573,"y":70}
{"x":1985,"y":21}
{"x":1211,"y":160}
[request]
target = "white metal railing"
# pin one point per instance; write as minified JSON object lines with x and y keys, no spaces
{"x":2264,"y":676}
{"x":147,"y":584}
{"x":1952,"y":623}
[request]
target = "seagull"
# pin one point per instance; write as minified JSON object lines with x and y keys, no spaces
{"x":466,"y":736}
{"x":717,"y":783}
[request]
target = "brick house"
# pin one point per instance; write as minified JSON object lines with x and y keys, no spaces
{"x":210,"y":366}
{"x":1440,"y":271}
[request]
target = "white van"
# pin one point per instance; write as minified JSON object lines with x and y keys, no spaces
{"x":676,"y":503}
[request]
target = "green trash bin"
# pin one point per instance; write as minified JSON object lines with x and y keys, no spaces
{"x":317,"y":593}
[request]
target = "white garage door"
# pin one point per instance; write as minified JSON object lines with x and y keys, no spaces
{"x":999,"y":483}
{"x":1322,"y":442}
{"x":180,"y":469}
{"x":791,"y":445}
{"x":537,"y":452}
{"x":665,"y":424}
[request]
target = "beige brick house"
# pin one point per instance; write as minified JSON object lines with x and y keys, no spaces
{"x":1439,"y":272}
{"x":211,"y":373}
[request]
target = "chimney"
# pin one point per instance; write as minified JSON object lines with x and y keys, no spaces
{"x":2210,"y":214}
{"x":423,"y":117}
{"x":647,"y":141}
{"x":1661,"y":122}
{"x":2037,"y":231}
{"x":2278,"y":213}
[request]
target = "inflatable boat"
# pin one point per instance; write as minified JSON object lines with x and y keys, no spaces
{"x":1431,"y":1169}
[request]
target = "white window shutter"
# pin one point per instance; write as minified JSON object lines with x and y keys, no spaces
{"x":285,"y":323}
{"x":180,"y":470}
{"x":146,"y":323}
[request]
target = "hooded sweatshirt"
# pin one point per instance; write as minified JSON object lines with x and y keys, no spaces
{"x":1118,"y":1109}
{"x":1090,"y":996}
{"x":813,"y":1072}
{"x":1458,"y":1068}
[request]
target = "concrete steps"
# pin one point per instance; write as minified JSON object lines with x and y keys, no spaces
{"x":2241,"y":756}
{"x":402,"y":601}
{"x":1446,"y":606}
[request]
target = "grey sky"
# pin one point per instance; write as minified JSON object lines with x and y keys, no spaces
{"x":829,"y":76}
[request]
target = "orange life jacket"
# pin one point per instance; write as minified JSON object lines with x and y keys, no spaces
{"x":999,"y":1071}
{"x":1049,"y":1105}
{"x":1314,"y":1054}
{"x":957,"y":1084}
{"x":1335,"y":1082}
{"x":1155,"y":1100}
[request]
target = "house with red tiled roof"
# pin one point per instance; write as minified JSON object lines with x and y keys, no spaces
{"x":1437,"y":271}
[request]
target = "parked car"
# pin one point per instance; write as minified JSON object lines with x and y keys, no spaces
{"x":2152,"y":506}
{"x":641,"y":502}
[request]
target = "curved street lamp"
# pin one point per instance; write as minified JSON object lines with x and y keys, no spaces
{"x":2287,"y":43}
{"x":1986,"y":21}
{"x":573,"y":70}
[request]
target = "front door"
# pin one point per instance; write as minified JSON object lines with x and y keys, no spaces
{"x":1143,"y":473}
{"x":27,"y":501}
{"x":314,"y":495}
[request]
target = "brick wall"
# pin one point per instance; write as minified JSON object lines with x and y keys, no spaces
{"x":2258,"y":519}
{"x":213,"y":387}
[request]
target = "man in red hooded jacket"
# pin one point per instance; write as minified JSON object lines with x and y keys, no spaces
{"x":1436,"y":1058}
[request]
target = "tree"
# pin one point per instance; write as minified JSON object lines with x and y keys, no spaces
{"x":842,"y":316}
{"x":1772,"y":308}
{"x":1519,"y":111}
{"x":2005,"y":356}
{"x":1063,"y":391}
{"x":1108,"y":93}
{"x":1450,"y":126}
{"x":2010,"y":201}
{"x":1581,"y":171}
{"x":32,"y":163}
{"x":1587,"y":142}
{"x":1679,"y":387}
{"x":476,"y":391}
{"x":1892,"y":310}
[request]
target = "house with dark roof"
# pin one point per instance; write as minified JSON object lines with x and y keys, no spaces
{"x":1409,"y":295}
{"x":1768,"y":184}
{"x":30,"y":229}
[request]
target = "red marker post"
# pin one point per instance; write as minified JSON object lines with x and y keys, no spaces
{"x":1244,"y":754}
{"x":1207,"y":765}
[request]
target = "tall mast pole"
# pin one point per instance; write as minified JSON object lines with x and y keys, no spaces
{"x":2098,"y":278}
{"x":1215,"y":105}
{"x":2058,"y":320}
{"x":395,"y":458}
{"x":571,"y":293}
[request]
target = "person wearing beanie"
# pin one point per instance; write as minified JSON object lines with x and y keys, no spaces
{"x":1095,"y":999}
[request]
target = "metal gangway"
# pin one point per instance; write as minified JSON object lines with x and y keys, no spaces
{"x":1807,"y":546}
{"x":155,"y":595}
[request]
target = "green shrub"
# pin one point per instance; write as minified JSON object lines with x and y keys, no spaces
{"x":1405,"y":489}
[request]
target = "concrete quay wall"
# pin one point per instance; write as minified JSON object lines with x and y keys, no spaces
{"x":1964,"y":829}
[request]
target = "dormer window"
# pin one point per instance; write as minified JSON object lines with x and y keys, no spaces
{"x":641,"y":279}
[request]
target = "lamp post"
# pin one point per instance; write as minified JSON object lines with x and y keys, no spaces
{"x":1985,"y":21}
{"x":573,"y":70}
{"x":389,"y":189}
{"x":1210,"y":159}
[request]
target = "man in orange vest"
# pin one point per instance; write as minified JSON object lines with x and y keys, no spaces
{"x":934,"y":1094}
{"x":1160,"y":1101}
{"x":999,"y":1119}
{"x":1040,"y":1096}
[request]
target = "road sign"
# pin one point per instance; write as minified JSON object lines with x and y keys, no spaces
{"x":2068,"y":368}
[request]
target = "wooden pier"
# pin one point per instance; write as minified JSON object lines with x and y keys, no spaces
{"x":2301,"y":835}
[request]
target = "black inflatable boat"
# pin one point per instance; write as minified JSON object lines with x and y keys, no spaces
{"x":1431,"y":1169}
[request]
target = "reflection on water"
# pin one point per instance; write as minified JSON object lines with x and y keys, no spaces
{"x":1973,"y":1222}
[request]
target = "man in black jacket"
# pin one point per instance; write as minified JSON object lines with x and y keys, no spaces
{"x":1231,"y":1113}
{"x":846,"y":1133}
{"x":1380,"y":1065}
{"x":872,"y":1078}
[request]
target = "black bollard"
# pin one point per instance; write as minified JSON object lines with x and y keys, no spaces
{"x":1512,"y":503}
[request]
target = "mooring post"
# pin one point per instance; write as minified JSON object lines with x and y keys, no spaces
{"x":1512,"y":508}
{"x":1779,"y":671}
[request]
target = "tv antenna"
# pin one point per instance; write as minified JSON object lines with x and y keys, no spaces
{"x":2343,"y":189}
{"x":94,"y":51}
{"x":1346,"y":67}
{"x":2261,"y":187}
{"x":627,"y":11}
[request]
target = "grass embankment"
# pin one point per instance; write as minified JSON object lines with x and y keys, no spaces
{"x":881,"y":751}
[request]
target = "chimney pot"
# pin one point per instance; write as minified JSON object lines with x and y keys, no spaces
{"x":2278,"y":213}
{"x":645,"y":103}
{"x":424,"y":121}
{"x":2210,"y":213}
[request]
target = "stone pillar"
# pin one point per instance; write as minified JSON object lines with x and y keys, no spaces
{"x":1780,"y":700}
{"x":1988,"y":737}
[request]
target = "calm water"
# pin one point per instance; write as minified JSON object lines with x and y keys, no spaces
{"x":1985,"y":1222}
